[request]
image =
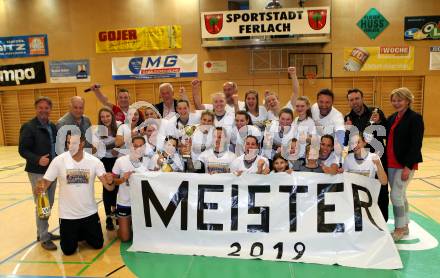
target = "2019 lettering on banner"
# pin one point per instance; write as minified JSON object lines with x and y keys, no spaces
{"x":304,"y":217}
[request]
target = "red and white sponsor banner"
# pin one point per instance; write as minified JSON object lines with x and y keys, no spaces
{"x":298,"y":217}
{"x":293,"y":21}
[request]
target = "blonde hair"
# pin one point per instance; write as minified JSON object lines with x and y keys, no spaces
{"x":232,"y":83}
{"x":218,"y":94}
{"x":166,"y":85}
{"x":307,"y":101}
{"x":403,"y":93}
{"x":266,"y":95}
{"x":208,"y":113}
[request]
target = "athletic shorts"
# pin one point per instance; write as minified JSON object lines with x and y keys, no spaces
{"x":123,"y":211}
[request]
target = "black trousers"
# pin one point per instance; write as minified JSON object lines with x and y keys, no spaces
{"x":74,"y":230}
{"x":109,"y":197}
{"x":383,"y":201}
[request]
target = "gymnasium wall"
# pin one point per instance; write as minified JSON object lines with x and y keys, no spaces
{"x":71,"y":26}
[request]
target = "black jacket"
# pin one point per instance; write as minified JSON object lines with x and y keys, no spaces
{"x":361,"y":122}
{"x":34,"y":143}
{"x":408,"y":137}
{"x":159,"y":107}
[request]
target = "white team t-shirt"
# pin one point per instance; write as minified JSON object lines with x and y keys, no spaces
{"x":101,"y":143}
{"x":76,"y":191}
{"x":271,"y":116}
{"x":274,"y":137}
{"x":261,"y":118}
{"x":227,"y":121}
{"x":239,"y":165}
{"x":365,"y":167}
{"x":331,"y":159}
{"x":122,"y":166}
{"x":303,"y":129}
{"x":201,"y":142}
{"x":124,"y":130}
{"x":329,"y":124}
{"x":217,"y":163}
{"x":238,"y":136}
{"x":175,"y":128}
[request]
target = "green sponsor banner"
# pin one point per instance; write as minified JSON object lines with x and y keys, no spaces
{"x":373,"y":23}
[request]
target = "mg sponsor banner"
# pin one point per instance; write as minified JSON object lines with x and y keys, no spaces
{"x":22,"y":74}
{"x":294,"y":21}
{"x":298,"y":217}
{"x":139,"y":39}
{"x":23,"y":46}
{"x":380,"y":58}
{"x":151,"y":67}
{"x":422,"y":28}
{"x":69,"y":71}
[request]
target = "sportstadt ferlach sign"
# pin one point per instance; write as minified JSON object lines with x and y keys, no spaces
{"x":294,"y":21}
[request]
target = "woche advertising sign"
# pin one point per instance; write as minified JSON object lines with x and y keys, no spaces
{"x":294,"y":21}
{"x":380,"y":58}
{"x":298,"y":217}
{"x":151,"y":67}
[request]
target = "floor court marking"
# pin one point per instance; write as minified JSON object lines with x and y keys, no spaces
{"x":20,"y":172}
{"x":24,"y":248}
{"x":430,"y":157}
{"x":15,"y":182}
{"x":428,"y":177}
{"x":423,"y":196}
{"x":430,"y":183}
{"x":116,"y":270}
{"x":97,"y":256}
{"x":189,"y":267}
{"x":30,"y":244}
{"x":12,"y":167}
{"x":46,"y":262}
{"x":16,"y":203}
{"x":422,"y":213}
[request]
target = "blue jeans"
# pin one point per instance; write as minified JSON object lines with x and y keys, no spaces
{"x":42,"y":224}
{"x":398,"y":196}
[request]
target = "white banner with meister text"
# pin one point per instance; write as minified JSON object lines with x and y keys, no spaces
{"x":298,"y":217}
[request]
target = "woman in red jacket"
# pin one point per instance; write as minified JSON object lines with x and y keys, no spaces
{"x":404,"y":151}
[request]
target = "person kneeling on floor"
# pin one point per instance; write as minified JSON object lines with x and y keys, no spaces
{"x":76,"y":170}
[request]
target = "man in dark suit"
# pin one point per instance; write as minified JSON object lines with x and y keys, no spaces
{"x":361,"y":117}
{"x":37,"y":146}
{"x":166,"y":108}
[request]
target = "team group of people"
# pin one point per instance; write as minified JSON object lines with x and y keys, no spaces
{"x":227,"y":135}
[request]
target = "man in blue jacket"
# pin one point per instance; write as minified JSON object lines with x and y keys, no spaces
{"x":37,"y":146}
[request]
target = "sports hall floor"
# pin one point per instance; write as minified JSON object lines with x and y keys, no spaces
{"x":22,"y":256}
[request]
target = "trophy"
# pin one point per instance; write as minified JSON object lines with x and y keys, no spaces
{"x":166,"y":166}
{"x":267,"y":123}
{"x":167,"y":161}
{"x":188,"y":131}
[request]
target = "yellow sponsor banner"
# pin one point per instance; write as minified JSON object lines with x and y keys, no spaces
{"x":380,"y":58}
{"x":140,"y":38}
